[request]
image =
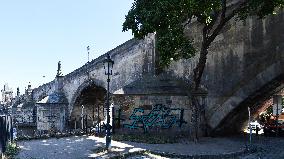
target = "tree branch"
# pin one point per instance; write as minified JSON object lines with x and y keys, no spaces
{"x":215,"y":16}
{"x":224,"y":19}
{"x":188,"y":21}
{"x":198,"y":70}
{"x":224,"y":9}
{"x":207,"y":40}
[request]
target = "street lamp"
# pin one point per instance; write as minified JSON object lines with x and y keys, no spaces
{"x":108,"y":65}
{"x":82,"y":117}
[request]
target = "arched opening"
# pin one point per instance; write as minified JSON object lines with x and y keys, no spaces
{"x":237,"y":120}
{"x":88,"y":107}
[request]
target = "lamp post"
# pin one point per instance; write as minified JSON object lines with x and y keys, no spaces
{"x":82,"y":117}
{"x":99,"y":126}
{"x":108,"y":65}
{"x":250,"y":130}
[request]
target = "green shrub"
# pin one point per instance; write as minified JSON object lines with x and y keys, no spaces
{"x":12,"y":150}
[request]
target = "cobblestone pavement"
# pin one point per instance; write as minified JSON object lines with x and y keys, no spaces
{"x":81,"y":147}
{"x":63,"y":148}
{"x":147,"y":156}
{"x":267,"y":148}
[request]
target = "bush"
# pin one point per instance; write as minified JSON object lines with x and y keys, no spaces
{"x":12,"y":150}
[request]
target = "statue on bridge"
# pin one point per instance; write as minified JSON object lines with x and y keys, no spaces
{"x":59,"y":71}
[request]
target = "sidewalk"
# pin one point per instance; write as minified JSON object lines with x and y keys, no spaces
{"x":205,"y":148}
{"x":83,"y":147}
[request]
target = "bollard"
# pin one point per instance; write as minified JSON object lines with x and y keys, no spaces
{"x":256,"y":130}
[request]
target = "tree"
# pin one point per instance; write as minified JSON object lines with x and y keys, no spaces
{"x":168,"y":19}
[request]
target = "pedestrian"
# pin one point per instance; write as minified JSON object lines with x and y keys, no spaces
{"x":14,"y":133}
{"x":256,"y":130}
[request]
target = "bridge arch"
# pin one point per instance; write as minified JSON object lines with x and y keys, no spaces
{"x":232,"y":116}
{"x":87,"y":103}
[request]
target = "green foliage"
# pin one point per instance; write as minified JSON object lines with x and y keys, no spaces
{"x":265,"y":116}
{"x":260,"y":8}
{"x":269,"y":111}
{"x":12,"y":150}
{"x":167,"y":18}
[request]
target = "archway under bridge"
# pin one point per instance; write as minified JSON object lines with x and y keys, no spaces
{"x":88,"y":106}
{"x":237,"y":120}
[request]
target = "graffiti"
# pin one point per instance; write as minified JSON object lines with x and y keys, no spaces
{"x":159,"y":116}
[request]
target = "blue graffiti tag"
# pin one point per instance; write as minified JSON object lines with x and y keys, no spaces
{"x":136,"y":119}
{"x":159,"y":116}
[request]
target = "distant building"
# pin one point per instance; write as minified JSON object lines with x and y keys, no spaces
{"x":7,"y":95}
{"x":24,"y":112}
{"x":47,"y":115}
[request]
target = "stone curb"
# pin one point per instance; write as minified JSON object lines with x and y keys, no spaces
{"x":182,"y":156}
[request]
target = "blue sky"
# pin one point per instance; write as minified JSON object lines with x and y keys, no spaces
{"x":36,"y":34}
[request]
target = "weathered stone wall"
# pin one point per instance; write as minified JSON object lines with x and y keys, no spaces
{"x":24,"y":118}
{"x":24,"y":114}
{"x":242,"y":59}
{"x":179,"y":108}
{"x":51,"y":116}
{"x":132,"y":59}
{"x":44,"y":90}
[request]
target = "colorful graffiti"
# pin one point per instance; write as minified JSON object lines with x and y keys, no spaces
{"x":160,"y":116}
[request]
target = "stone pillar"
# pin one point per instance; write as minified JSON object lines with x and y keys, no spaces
{"x":59,"y":83}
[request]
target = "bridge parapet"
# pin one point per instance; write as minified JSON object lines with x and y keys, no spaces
{"x":140,"y":52}
{"x":43,"y":90}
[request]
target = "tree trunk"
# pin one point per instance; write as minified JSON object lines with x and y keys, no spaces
{"x":196,"y":117}
{"x":198,"y":70}
{"x":197,"y":75}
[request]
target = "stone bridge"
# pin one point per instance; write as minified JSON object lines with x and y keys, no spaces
{"x":245,"y":67}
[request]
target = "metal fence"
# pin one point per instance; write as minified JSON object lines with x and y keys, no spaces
{"x":5,"y":131}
